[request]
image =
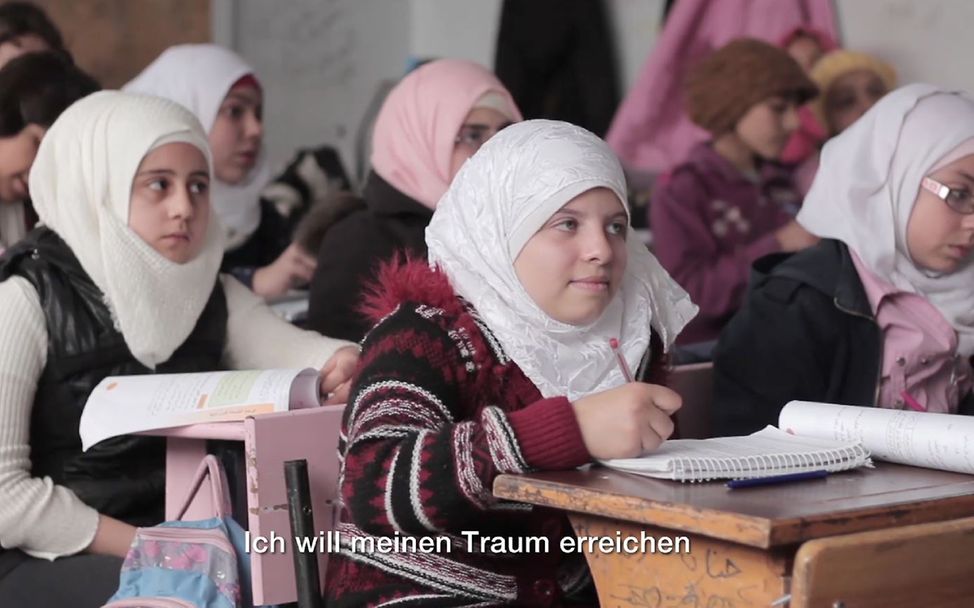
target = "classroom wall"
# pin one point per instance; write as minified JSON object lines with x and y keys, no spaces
{"x":322,"y":60}
{"x":114,"y":39}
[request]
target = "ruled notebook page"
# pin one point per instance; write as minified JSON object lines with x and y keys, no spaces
{"x":767,"y":452}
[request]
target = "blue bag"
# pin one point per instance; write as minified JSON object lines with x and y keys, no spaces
{"x":189,"y":564}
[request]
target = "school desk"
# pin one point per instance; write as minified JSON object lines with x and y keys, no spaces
{"x":269,"y":441}
{"x":742,"y":542}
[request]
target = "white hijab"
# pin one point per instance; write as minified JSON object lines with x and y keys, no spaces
{"x":496,"y":203}
{"x":81,"y":185}
{"x":869,"y":179}
{"x":199,"y":76}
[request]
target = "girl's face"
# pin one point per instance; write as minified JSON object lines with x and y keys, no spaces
{"x":573,"y":266}
{"x":806,"y":51}
{"x":237,"y":133}
{"x":850,"y":96}
{"x":766,"y":126}
{"x":480,"y":125}
{"x":939,"y":238}
{"x":170,"y":203}
{"x":17,"y":154}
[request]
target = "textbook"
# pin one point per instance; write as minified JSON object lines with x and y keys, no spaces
{"x":120,"y":405}
{"x":767,"y":452}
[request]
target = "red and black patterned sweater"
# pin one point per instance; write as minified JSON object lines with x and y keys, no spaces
{"x":436,"y":412}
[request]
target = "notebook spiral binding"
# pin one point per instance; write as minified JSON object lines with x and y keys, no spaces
{"x":708,"y":468}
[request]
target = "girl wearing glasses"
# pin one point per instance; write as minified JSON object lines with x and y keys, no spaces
{"x":432,"y":121}
{"x":881,"y":312}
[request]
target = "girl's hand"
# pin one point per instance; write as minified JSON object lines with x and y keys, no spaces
{"x":292,"y":268}
{"x":336,"y":374}
{"x":626,"y":421}
{"x":113,"y":537}
{"x":792,"y":237}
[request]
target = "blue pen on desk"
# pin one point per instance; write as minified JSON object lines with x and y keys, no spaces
{"x":736,"y":484}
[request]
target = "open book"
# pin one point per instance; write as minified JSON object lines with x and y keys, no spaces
{"x":922,"y":439}
{"x":120,"y":405}
{"x":767,"y":452}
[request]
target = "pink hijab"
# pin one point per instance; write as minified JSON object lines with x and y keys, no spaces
{"x":416,"y":129}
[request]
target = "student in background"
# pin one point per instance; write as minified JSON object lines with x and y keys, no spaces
{"x":34,"y":90}
{"x":849,"y":84}
{"x":806,"y":46}
{"x":26,"y":28}
{"x":729,"y":203}
{"x":222,"y":90}
{"x":121,"y":279}
{"x":497,"y":360}
{"x":430,"y":123}
{"x":882,"y":305}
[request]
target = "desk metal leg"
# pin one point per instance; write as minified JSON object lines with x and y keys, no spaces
{"x":712,"y":574}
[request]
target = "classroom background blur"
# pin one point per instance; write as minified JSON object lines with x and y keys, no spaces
{"x":324,"y":63}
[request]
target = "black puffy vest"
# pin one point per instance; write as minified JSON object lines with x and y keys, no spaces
{"x":123,"y":477}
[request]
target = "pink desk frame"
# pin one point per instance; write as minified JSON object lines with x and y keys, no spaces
{"x":269,"y":440}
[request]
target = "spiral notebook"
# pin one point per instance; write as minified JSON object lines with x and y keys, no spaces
{"x":767,"y":452}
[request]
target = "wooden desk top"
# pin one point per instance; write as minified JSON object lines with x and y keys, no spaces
{"x":770,"y":516}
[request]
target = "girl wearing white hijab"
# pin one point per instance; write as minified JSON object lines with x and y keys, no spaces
{"x":881,"y":313}
{"x":121,"y":279}
{"x":222,"y":91}
{"x":495,"y":358}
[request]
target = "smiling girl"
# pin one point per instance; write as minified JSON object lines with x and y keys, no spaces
{"x":882,"y":307}
{"x":122,"y":278}
{"x":494,"y":358}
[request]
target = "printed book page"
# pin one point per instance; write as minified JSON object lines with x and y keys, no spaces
{"x":120,"y":405}
{"x":937,"y":441}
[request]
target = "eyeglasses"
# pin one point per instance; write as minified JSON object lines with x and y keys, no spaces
{"x":960,"y":200}
{"x":474,"y":136}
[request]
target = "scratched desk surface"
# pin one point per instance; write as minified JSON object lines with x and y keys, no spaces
{"x":764,"y":517}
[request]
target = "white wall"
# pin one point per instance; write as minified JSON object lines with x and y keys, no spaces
{"x":927,"y":40}
{"x":321,"y":60}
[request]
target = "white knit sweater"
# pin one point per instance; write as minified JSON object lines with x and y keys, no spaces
{"x":46,"y":520}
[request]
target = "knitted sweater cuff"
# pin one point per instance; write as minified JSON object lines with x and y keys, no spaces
{"x":549,"y":436}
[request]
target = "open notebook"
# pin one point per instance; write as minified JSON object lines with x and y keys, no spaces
{"x":767,"y":452}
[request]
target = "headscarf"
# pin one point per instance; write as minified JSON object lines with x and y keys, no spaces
{"x":81,"y":186}
{"x":838,"y":63}
{"x":416,"y":129}
{"x":726,"y":84}
{"x":199,"y":76}
{"x":869,"y":179}
{"x":496,"y":203}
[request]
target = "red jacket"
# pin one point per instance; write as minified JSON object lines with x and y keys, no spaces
{"x":436,"y":412}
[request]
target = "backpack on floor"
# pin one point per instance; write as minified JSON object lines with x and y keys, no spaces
{"x":189,"y":564}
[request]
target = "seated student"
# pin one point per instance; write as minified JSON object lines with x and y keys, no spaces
{"x":34,"y":90}
{"x":494,"y":358}
{"x":883,"y":304}
{"x":849,"y":83}
{"x":26,"y":28}
{"x":729,"y":203}
{"x":806,"y":46}
{"x":121,"y":279}
{"x":222,"y":90}
{"x":430,"y":123}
